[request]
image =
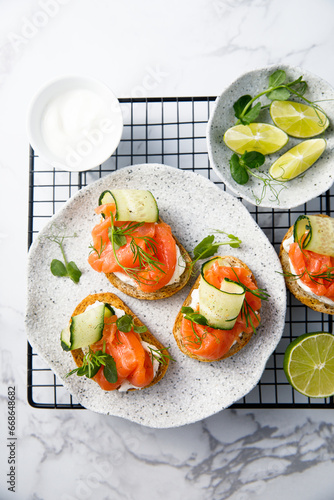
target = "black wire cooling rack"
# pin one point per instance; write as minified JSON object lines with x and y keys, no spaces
{"x":172,"y":131}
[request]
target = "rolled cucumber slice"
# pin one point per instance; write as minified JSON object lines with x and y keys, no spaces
{"x":220,"y":307}
{"x":135,"y":205}
{"x":85,"y":329}
{"x":319,"y":233}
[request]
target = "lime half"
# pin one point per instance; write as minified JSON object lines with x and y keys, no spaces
{"x":298,"y":159}
{"x":298,"y":120}
{"x":309,"y":364}
{"x":260,"y":137}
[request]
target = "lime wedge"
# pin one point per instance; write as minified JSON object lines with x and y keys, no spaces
{"x":298,"y":120}
{"x":298,"y":159}
{"x":309,"y":364}
{"x":260,"y":137}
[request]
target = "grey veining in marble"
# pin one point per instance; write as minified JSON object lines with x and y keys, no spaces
{"x":145,"y":49}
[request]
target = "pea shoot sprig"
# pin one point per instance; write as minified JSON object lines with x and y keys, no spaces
{"x":63,"y":269}
{"x":147,"y":259}
{"x":279,"y":89}
{"x":209,"y":247}
{"x":92,"y":362}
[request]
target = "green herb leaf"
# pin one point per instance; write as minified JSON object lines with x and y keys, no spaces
{"x":251,"y":115}
{"x":110,"y":369}
{"x":277,"y":78}
{"x":197,"y":318}
{"x":58,"y":268}
{"x":240,"y":105}
{"x":238,"y":172}
{"x":187,"y":310}
{"x":252,"y":159}
{"x":73,"y":271}
{"x":281,"y":94}
{"x":204,"y":248}
{"x":139,"y":329}
{"x":124,"y":323}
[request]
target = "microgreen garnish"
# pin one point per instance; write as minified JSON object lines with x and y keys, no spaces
{"x":193,"y":316}
{"x":92,"y":362}
{"x":161,"y":355}
{"x":126,"y":323}
{"x":278,"y":90}
{"x":246,"y":165}
{"x":147,"y":260}
{"x":64,"y":269}
{"x":208,"y":247}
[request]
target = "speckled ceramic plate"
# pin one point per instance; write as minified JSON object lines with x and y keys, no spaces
{"x":313,"y":182}
{"x":190,"y":390}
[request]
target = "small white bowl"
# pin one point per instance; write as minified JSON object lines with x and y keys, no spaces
{"x":313,"y":182}
{"x":75,"y":123}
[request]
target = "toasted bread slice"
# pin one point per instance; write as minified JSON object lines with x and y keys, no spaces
{"x":296,"y":290}
{"x":245,"y":337}
{"x":114,"y":301}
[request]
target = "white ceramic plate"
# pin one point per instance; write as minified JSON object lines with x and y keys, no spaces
{"x":95,"y":143}
{"x":191,"y":390}
{"x":315,"y":181}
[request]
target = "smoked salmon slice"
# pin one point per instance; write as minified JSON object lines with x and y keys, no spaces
{"x":133,"y":363}
{"x":154,"y":238}
{"x":212,"y":343}
{"x":315,"y":270}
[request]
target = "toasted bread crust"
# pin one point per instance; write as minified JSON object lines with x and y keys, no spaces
{"x":114,"y":301}
{"x":166,"y":291}
{"x":294,"y":287}
{"x":244,"y":339}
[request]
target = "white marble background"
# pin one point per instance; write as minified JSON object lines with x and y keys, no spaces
{"x":191,"y":48}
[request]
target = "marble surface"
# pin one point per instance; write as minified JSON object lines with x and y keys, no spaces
{"x":146,"y":48}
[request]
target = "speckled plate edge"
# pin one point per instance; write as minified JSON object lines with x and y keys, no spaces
{"x":191,"y":390}
{"x":313,"y":182}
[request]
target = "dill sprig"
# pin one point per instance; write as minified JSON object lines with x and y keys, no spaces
{"x":161,"y":355}
{"x":147,"y":260}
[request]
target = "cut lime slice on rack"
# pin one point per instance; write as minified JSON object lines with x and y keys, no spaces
{"x":297,"y":160}
{"x":260,"y":137}
{"x":309,"y":364}
{"x":298,"y":120}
